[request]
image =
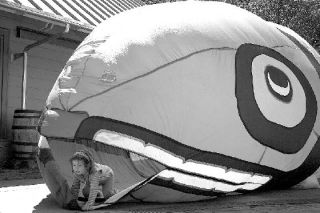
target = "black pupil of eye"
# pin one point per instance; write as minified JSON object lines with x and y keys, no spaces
{"x":274,"y":75}
{"x":277,"y":76}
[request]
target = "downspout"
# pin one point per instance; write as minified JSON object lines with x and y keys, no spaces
{"x":24,"y":54}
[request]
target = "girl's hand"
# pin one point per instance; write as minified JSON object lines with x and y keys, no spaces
{"x":86,"y":207}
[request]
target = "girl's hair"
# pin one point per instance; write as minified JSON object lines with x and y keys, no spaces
{"x":86,"y":157}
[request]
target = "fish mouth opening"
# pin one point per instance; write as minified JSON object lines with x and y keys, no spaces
{"x":183,"y":165}
{"x":187,"y":172}
{"x":198,"y":171}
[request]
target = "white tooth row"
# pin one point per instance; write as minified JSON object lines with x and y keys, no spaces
{"x":166,"y":158}
{"x":202,"y":183}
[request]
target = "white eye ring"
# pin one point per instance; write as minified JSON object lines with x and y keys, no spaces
{"x":283,"y":91}
{"x":288,"y":114}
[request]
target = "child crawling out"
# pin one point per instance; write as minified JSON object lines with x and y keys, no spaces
{"x":94,"y":181}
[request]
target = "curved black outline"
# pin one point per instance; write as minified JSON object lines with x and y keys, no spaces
{"x":280,"y":179}
{"x":91,"y":125}
{"x":270,"y":134}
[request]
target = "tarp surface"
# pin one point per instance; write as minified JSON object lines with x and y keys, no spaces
{"x":188,"y":107}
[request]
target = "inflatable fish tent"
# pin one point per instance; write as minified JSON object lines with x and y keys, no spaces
{"x":185,"y":101}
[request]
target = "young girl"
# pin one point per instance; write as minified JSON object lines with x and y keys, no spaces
{"x":96,"y":179}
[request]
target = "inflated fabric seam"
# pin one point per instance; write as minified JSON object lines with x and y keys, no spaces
{"x":151,"y":72}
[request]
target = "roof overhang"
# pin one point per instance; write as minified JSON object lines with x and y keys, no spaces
{"x":90,"y":14}
{"x":43,"y":16}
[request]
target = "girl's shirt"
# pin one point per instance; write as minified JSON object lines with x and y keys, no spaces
{"x":92,"y":182}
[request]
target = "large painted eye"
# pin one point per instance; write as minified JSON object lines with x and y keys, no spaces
{"x":277,"y":91}
{"x":275,"y":100}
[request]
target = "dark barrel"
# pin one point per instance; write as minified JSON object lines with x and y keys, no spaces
{"x":25,"y":134}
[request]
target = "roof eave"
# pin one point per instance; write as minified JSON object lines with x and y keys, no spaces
{"x":44,"y":16}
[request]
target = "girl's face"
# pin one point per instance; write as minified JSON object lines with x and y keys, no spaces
{"x":79,"y":167}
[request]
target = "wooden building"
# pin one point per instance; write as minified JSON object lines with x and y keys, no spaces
{"x":37,"y":37}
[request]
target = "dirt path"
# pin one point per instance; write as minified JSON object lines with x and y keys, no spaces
{"x":34,"y":196}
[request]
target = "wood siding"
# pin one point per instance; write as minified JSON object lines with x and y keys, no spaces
{"x":45,"y":63}
{"x":4,"y":59}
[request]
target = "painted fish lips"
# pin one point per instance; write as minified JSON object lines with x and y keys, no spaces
{"x":189,"y":172}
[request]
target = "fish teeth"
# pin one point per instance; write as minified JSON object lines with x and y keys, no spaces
{"x":226,"y":180}
{"x":202,"y":183}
